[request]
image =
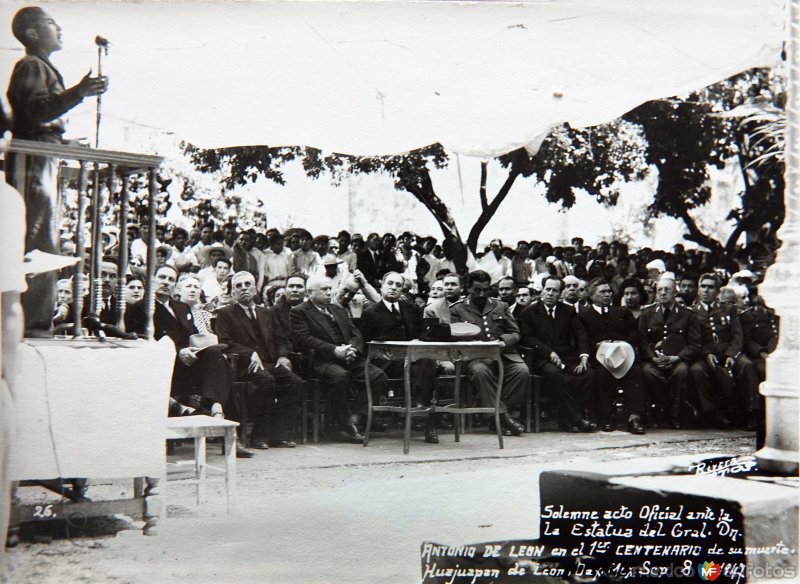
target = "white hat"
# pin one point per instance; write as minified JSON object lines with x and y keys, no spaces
{"x":743,"y":274}
{"x":657,"y":265}
{"x":616,"y":356}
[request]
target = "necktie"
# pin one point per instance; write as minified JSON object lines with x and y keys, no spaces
{"x":394,"y":308}
{"x":551,"y":312}
{"x":252,"y":314}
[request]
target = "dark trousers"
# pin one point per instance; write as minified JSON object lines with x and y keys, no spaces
{"x":209,"y":377}
{"x":570,"y":390}
{"x":423,"y":377}
{"x":345,"y":381}
{"x":606,"y":390}
{"x":667,"y":387}
{"x":483,"y":377}
{"x":35,"y":178}
{"x":275,"y":402}
{"x":717,"y":387}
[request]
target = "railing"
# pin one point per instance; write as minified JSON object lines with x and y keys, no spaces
{"x":117,"y":167}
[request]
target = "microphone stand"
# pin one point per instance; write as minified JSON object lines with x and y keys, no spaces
{"x":96,"y":297}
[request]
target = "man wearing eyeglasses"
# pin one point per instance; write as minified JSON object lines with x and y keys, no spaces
{"x":250,"y":333}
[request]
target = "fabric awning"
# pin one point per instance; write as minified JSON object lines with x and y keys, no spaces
{"x":384,"y":77}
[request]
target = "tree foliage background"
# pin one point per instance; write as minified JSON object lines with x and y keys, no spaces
{"x":679,"y":138}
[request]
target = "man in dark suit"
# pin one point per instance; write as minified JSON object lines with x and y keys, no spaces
{"x":204,"y":372}
{"x":668,"y":344}
{"x":522,"y":300}
{"x":496,"y":324}
{"x":338,"y":351}
{"x":370,"y":260}
{"x":295,"y":293}
{"x":559,"y":350}
{"x":723,"y":364}
{"x":604,"y":322}
{"x":394,"y":320}
{"x":249,"y":332}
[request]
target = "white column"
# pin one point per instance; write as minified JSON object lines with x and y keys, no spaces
{"x":780,"y":287}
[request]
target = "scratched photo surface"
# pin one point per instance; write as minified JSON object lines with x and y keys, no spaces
{"x":461,"y":94}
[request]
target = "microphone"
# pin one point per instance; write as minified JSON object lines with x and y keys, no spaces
{"x":102,"y":42}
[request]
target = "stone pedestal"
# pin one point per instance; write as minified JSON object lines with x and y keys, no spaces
{"x":682,"y":519}
{"x":780,"y":453}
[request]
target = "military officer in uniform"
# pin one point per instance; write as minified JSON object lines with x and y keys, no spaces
{"x":496,"y":324}
{"x":760,"y":326}
{"x":669,"y":343}
{"x":723,"y":366}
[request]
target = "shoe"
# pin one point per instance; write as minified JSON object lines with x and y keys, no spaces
{"x":379,"y":427}
{"x":350,"y":433}
{"x":635,"y":425}
{"x":585,"y":426}
{"x":608,"y":427}
{"x":493,"y":429}
{"x":283,"y":444}
{"x":511,"y":424}
{"x":431,"y":437}
{"x":259,"y":444}
{"x":242,"y":452}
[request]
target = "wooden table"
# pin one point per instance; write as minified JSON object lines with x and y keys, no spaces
{"x":457,"y":352}
{"x":87,"y":409}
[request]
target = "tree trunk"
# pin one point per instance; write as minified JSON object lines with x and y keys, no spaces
{"x":698,"y":236}
{"x":424,"y":193}
{"x":489,"y":209}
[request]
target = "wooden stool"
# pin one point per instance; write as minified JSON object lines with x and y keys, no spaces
{"x":199,"y":428}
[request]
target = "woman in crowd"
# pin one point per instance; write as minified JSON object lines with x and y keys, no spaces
{"x":634,"y":296}
{"x":188,"y":289}
{"x":134,"y":290}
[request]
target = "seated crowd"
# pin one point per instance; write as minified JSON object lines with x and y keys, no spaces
{"x":677,"y":335}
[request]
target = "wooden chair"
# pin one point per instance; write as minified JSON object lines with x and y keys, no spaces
{"x":533,"y":397}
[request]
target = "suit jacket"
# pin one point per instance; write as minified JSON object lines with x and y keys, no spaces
{"x":720,"y":330}
{"x":279,"y":313}
{"x":235,"y":329}
{"x":653,"y":329}
{"x":617,"y":324}
{"x":378,"y":324}
{"x":495,"y":322}
{"x":369,"y":266}
{"x":439,"y":308}
{"x":516,"y":312}
{"x":563,"y":334}
{"x":178,"y":328}
{"x":311,"y":330}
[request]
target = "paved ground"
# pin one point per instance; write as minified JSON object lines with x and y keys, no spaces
{"x":341,"y":513}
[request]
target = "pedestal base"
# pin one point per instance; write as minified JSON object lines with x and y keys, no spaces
{"x":780,"y":454}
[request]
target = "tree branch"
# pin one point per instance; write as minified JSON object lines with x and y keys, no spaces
{"x":696,"y":235}
{"x":489,"y":210}
{"x":482,"y":190}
